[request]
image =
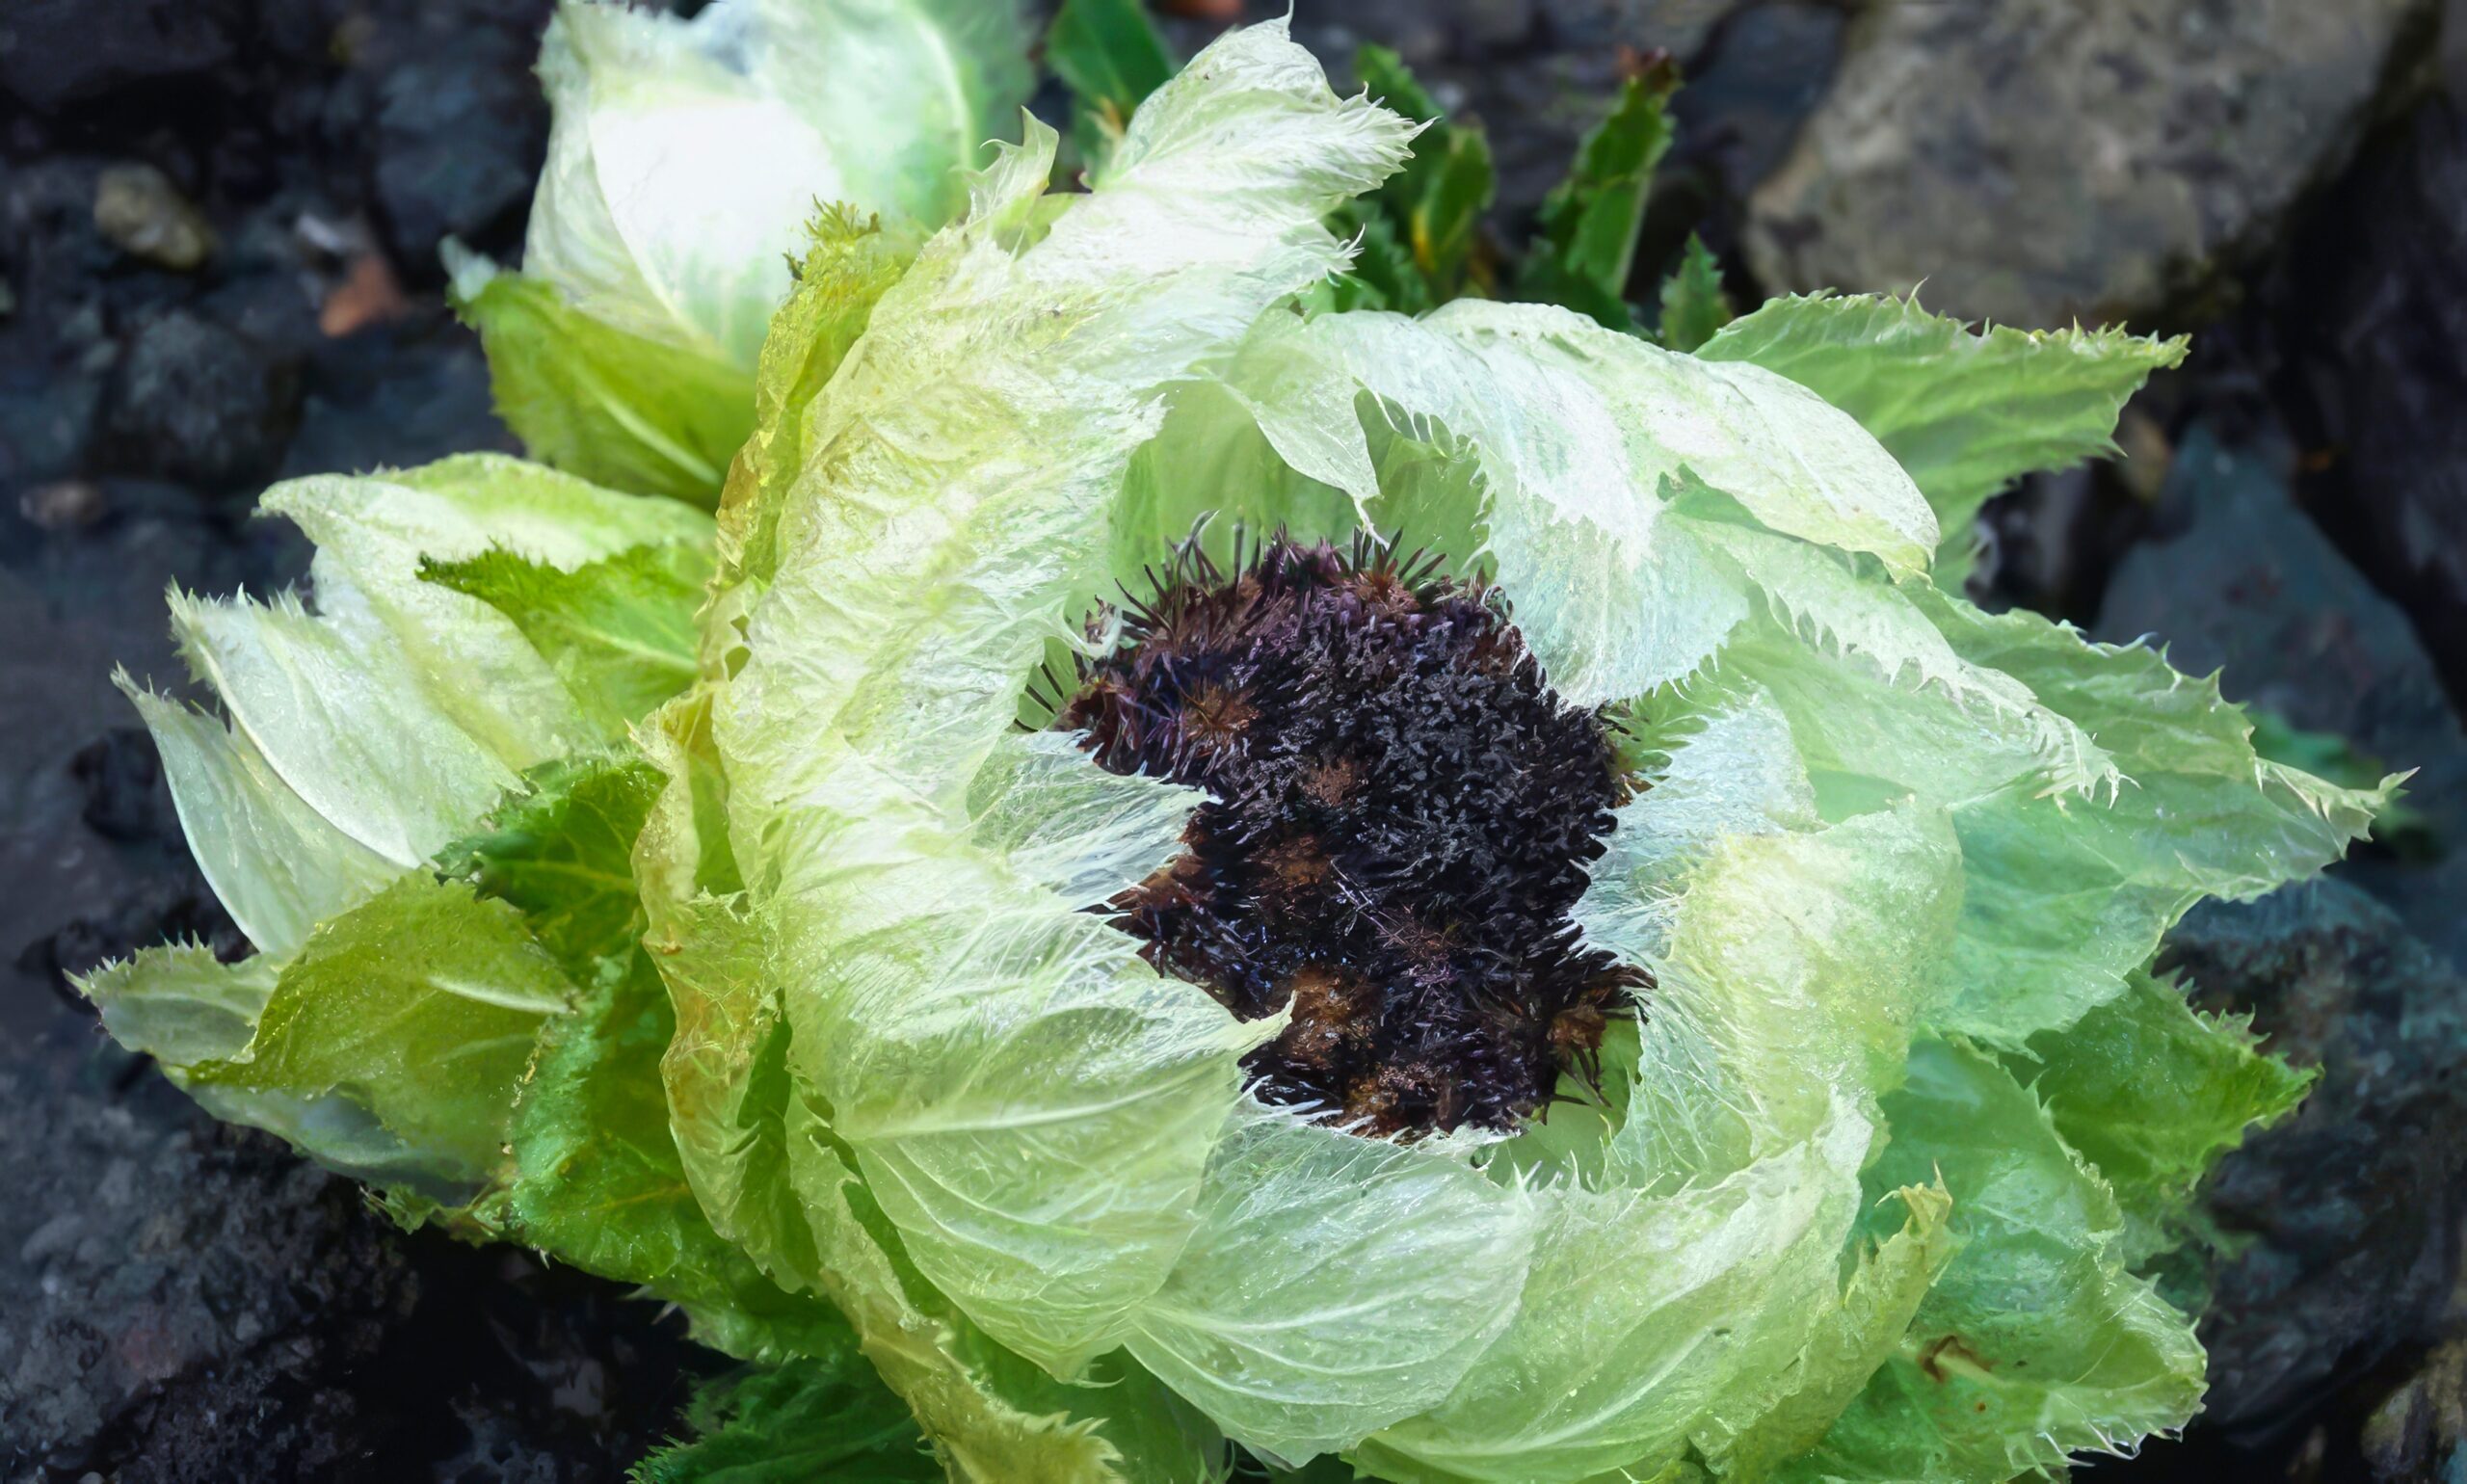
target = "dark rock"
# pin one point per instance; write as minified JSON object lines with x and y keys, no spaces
{"x":191,"y":1302}
{"x":56,"y":256}
{"x":2052,"y":543}
{"x":396,"y":396}
{"x":125,"y":796}
{"x":60,"y":52}
{"x":1679,"y":27}
{"x":2420,"y":1430}
{"x":2036,"y":161}
{"x":1760,"y":73}
{"x":461,"y":127}
{"x":173,"y":906}
{"x":196,"y":401}
{"x":2342,"y":1220}
{"x":46,"y":419}
{"x":270,"y":309}
{"x":2373,"y":309}
{"x":184,"y":1300}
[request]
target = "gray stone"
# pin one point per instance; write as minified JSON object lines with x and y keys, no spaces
{"x":459,"y":128}
{"x":2338,"y":1220}
{"x":195,"y":399}
{"x":2373,"y":317}
{"x":59,"y":52}
{"x":2037,"y":160}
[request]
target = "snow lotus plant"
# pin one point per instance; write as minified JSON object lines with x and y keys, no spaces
{"x":1046,"y":928}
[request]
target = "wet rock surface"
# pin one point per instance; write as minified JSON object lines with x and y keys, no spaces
{"x":2345,"y":1213}
{"x":192,"y":399}
{"x":185,"y":1270}
{"x":188,"y":1302}
{"x":54,"y":52}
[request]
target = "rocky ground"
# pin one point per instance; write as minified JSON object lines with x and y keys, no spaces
{"x":218,"y":233}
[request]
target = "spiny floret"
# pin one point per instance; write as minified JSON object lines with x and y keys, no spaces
{"x":1401,"y":812}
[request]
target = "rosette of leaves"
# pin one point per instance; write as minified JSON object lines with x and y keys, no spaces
{"x":731,"y":906}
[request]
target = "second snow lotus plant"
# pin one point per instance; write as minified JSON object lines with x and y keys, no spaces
{"x":1052,"y":930}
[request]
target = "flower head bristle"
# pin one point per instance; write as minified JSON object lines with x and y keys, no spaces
{"x":1400,"y":818}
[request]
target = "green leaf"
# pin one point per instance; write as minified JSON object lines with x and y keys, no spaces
{"x":2153,"y":1093}
{"x":596,"y":401}
{"x":776,"y":1181}
{"x":2069,"y":896}
{"x":1693,"y":304}
{"x":2035,"y":1342}
{"x":561,"y":854}
{"x":2336,"y":759}
{"x":1850,"y":1342}
{"x":1586,"y":242}
{"x":993,"y":1417}
{"x":807,"y":1420}
{"x":1110,"y":56}
{"x":594,"y":1177}
{"x":1729,"y":770}
{"x":1669,"y":1308}
{"x":1965,"y":412}
{"x":179,"y":1005}
{"x":2097,"y":792}
{"x":596,"y":1181}
{"x":367,"y":733}
{"x":421,"y":1005}
{"x":1427,"y":217}
{"x":276,"y":865}
{"x":619,"y":631}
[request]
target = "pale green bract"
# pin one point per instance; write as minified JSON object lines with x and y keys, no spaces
{"x":1965,"y":413}
{"x":678,"y":894}
{"x":365,"y":735}
{"x":685,"y":158}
